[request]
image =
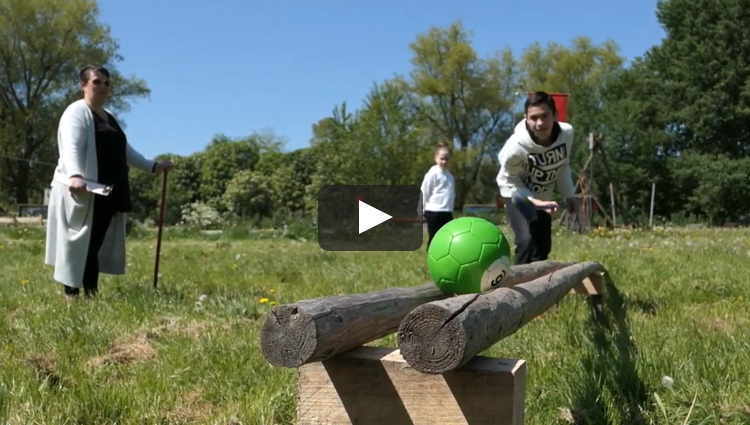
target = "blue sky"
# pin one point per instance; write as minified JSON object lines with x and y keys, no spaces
{"x":242,"y":66}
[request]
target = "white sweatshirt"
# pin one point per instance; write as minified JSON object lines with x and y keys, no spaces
{"x":438,"y":191}
{"x":532,"y":169}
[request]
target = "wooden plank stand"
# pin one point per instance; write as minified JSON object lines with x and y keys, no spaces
{"x":370,"y":385}
{"x":436,"y":375}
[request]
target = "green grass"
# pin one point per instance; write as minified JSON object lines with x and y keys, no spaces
{"x":674,"y":308}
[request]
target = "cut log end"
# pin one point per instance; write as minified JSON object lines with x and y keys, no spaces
{"x":430,"y":342}
{"x":443,"y":335}
{"x":288,"y":337}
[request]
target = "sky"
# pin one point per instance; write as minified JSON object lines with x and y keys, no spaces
{"x":240,"y":67}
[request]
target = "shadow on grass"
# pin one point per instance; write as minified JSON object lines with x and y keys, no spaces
{"x":610,"y":368}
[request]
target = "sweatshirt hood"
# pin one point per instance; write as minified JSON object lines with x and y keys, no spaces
{"x":523,"y":136}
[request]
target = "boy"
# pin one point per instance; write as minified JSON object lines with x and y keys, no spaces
{"x":535,"y":159}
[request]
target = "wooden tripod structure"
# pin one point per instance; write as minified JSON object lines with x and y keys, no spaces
{"x":588,"y":201}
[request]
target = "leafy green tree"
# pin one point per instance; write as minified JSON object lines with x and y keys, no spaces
{"x":679,"y":114}
{"x":43,"y":44}
{"x":224,"y":157}
{"x":703,"y":66}
{"x":467,"y":99}
{"x":249,"y":194}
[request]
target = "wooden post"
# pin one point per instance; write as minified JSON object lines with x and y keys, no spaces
{"x":443,"y":335}
{"x":370,"y":385}
{"x":612,"y":203}
{"x":651,"y":215}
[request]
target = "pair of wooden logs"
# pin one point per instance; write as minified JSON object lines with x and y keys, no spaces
{"x":437,"y":333}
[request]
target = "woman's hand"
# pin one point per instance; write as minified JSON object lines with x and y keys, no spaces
{"x":77,"y":184}
{"x":166,"y":165}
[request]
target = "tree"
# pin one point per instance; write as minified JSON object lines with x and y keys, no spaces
{"x":249,"y":194}
{"x":678,"y":116}
{"x":224,"y":157}
{"x":704,"y":69}
{"x":466,"y":98}
{"x":43,"y":44}
{"x":390,"y":138}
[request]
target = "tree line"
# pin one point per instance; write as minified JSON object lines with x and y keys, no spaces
{"x":675,"y":117}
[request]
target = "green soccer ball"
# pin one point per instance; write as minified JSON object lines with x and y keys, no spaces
{"x":468,"y":255}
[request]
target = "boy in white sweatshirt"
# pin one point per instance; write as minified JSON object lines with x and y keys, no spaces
{"x":438,"y":193}
{"x":535,"y":160}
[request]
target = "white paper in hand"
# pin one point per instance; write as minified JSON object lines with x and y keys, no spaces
{"x":93,"y":187}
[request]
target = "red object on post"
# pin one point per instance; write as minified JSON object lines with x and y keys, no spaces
{"x":561,"y":102}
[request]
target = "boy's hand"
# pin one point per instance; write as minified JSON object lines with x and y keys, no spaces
{"x":550,"y":206}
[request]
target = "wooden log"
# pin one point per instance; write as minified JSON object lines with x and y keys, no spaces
{"x":371,"y":385}
{"x":443,"y":335}
{"x":314,"y":330}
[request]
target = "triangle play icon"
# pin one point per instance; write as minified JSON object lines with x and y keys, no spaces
{"x":370,"y":217}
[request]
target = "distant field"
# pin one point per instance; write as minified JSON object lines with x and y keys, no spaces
{"x":189,"y":354}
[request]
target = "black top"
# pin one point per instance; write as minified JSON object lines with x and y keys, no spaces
{"x":112,"y":162}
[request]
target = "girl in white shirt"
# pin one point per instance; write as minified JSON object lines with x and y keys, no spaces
{"x":438,"y":193}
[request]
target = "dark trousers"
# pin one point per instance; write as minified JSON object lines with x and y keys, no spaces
{"x":533,"y":240}
{"x":103,"y":212}
{"x":436,"y":220}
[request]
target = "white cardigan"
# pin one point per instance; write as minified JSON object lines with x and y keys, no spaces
{"x":69,"y":215}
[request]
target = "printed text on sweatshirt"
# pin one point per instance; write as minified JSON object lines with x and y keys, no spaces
{"x":438,"y":192}
{"x":532,"y":169}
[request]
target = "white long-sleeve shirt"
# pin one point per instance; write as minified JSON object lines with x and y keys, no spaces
{"x":533,"y":170}
{"x":438,"y":191}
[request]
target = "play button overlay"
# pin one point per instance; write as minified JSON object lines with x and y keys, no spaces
{"x":370,"y":218}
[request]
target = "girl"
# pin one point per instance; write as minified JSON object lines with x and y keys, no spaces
{"x":438,"y":193}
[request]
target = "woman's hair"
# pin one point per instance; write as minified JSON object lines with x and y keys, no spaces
{"x":442,"y":145}
{"x":85,"y":73}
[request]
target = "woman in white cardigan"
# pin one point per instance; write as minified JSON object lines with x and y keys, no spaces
{"x":86,"y":231}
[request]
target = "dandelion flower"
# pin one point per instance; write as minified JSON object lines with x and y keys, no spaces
{"x":263,"y":300}
{"x":667,"y":381}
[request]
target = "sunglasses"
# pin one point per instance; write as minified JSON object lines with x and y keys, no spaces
{"x":98,"y":82}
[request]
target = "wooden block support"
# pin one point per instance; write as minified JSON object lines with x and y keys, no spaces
{"x":592,"y":285}
{"x":370,"y":385}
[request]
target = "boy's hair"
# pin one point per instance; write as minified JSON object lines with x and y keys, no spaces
{"x":540,"y":98}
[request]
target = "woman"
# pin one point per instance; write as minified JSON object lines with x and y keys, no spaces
{"x":86,"y":231}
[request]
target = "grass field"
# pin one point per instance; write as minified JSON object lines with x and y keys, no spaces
{"x":189,"y":354}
